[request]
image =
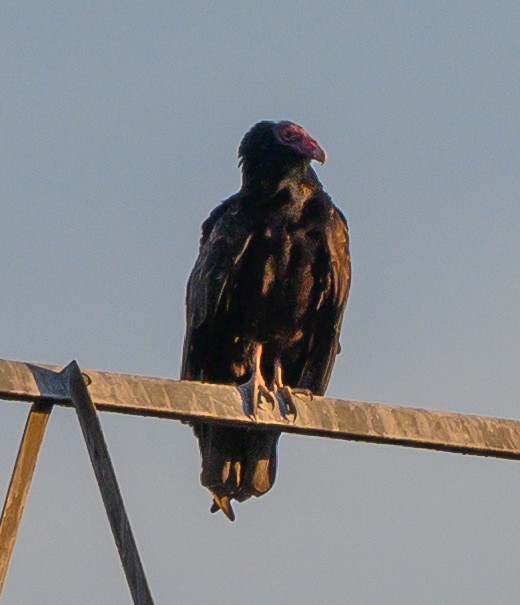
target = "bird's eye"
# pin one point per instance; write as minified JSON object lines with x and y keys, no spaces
{"x":289,"y":135}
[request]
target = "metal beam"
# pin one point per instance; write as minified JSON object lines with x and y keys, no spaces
{"x":322,"y":416}
{"x":21,"y":481}
{"x":53,"y":386}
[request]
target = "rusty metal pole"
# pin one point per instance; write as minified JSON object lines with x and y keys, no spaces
{"x":21,"y":481}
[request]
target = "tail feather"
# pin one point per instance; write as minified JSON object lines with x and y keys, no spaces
{"x":223,"y":504}
{"x":259,"y":465}
{"x":236,"y":463}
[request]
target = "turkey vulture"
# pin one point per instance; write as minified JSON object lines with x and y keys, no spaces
{"x":265,"y":301}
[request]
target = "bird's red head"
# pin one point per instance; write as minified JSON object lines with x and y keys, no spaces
{"x":299,"y":140}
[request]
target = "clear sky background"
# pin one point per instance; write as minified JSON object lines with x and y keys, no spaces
{"x":120,"y":125}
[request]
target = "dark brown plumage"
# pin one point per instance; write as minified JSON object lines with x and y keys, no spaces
{"x":265,"y":300}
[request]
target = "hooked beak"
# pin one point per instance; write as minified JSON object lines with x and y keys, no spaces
{"x":319,"y":154}
{"x":312,"y":150}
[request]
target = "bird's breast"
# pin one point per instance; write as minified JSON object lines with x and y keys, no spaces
{"x":277,"y":281}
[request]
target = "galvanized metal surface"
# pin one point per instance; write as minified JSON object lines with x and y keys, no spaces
{"x":341,"y":419}
{"x":21,"y":481}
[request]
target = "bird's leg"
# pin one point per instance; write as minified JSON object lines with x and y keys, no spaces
{"x":278,"y":382}
{"x":256,"y":384}
{"x":286,"y":392}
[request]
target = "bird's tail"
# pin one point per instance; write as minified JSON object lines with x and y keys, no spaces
{"x":236,"y":463}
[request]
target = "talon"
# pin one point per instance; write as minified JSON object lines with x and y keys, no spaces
{"x":287,"y":398}
{"x":301,"y":393}
{"x":264,"y":394}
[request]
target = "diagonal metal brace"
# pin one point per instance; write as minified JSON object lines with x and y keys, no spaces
{"x":21,"y":482}
{"x":69,"y":385}
{"x":74,"y":383}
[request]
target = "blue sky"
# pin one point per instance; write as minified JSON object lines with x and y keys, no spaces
{"x":120,"y":126}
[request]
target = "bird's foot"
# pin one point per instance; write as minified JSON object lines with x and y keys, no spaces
{"x":286,"y":395}
{"x":257,"y":393}
{"x":264,"y":394}
{"x":303,"y":393}
{"x":255,"y":388}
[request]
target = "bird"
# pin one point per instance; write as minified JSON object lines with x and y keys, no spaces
{"x":265,"y":302}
